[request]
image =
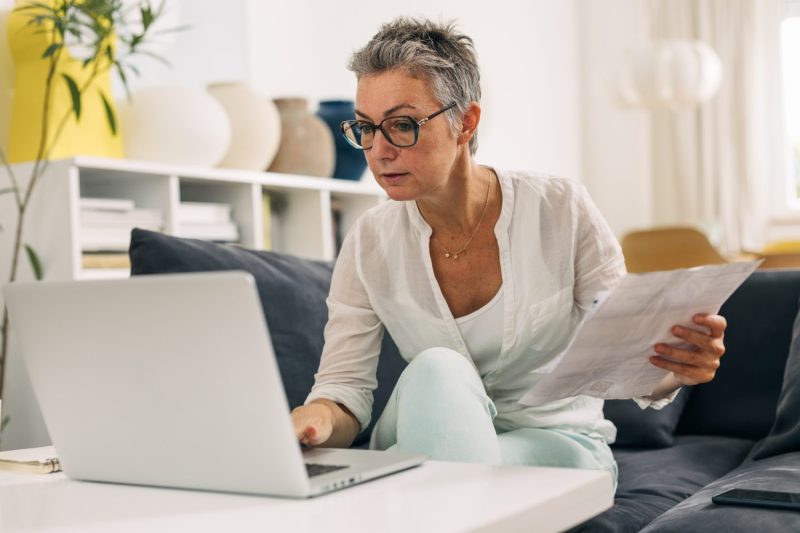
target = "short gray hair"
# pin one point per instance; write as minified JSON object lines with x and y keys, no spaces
{"x":435,"y":52}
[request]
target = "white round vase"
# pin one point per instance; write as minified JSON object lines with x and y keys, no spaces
{"x":673,"y":72}
{"x":176,"y":125}
{"x":255,"y":126}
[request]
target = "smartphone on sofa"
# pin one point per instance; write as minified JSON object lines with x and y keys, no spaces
{"x":759,"y":498}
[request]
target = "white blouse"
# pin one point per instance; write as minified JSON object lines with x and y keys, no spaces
{"x":556,"y":253}
{"x":482,"y":331}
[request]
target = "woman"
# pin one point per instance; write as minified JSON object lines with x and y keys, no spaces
{"x":481,"y":276}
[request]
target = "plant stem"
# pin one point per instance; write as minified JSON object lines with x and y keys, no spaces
{"x":23,"y":204}
{"x":14,"y":263}
{"x":48,"y":88}
{"x":12,"y":177}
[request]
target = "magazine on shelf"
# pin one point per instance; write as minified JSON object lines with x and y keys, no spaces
{"x":109,"y":239}
{"x":223,"y":231}
{"x":105,"y":260}
{"x":203,"y":212}
{"x":134,"y":217}
{"x":107,"y":204}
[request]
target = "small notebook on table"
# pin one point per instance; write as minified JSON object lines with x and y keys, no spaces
{"x":32,"y":460}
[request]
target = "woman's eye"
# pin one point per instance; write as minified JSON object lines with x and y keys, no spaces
{"x":403,"y":126}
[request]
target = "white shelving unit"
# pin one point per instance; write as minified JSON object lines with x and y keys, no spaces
{"x":303,"y":227}
{"x":304,"y":224}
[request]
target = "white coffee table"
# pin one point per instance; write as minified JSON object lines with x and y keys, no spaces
{"x":437,"y":496}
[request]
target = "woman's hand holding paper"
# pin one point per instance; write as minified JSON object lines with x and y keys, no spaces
{"x":699,"y":363}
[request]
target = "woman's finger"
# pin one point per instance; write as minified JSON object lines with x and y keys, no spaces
{"x":703,"y":359}
{"x":685,"y":373}
{"x":707,"y":343}
{"x":716,"y":323}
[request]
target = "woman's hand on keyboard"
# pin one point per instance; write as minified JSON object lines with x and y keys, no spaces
{"x":313,"y":423}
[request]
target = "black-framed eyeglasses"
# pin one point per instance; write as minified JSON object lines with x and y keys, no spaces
{"x":400,"y":131}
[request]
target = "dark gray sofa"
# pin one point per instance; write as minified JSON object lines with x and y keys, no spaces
{"x":715,"y":436}
{"x":727,"y":433}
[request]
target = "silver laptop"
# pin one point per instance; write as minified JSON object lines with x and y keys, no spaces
{"x":172,"y":381}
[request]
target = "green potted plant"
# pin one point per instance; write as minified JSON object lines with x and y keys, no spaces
{"x":109,"y":33}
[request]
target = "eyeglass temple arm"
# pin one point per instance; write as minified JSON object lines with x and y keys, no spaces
{"x":426,"y":119}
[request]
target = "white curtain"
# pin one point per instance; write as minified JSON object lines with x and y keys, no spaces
{"x":713,"y":164}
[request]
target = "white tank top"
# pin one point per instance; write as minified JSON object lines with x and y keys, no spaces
{"x":482,"y":331}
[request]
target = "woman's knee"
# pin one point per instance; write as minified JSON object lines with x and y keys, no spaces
{"x":439,"y":373}
{"x":441,"y":364}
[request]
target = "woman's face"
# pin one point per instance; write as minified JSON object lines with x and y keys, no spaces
{"x":416,"y":171}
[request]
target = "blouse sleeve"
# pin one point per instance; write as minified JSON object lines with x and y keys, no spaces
{"x":353,"y":334}
{"x":600,"y":266}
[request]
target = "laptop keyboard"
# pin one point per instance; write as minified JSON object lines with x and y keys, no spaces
{"x":318,"y":470}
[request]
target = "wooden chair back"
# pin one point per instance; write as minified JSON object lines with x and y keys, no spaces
{"x":667,"y":249}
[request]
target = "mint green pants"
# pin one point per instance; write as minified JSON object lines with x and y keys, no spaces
{"x":440,"y":408}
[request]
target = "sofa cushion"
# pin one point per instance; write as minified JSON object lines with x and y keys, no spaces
{"x":760,"y":316}
{"x":653,"y":481}
{"x":784,"y":437}
{"x":292,"y":292}
{"x":645,"y":428}
{"x":698,"y":514}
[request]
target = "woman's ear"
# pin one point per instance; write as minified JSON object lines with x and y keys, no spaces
{"x":469,"y":123}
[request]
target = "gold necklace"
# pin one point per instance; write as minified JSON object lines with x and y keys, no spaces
{"x":454,"y":255}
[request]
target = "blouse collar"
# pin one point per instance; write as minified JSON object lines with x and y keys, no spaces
{"x":503,"y":221}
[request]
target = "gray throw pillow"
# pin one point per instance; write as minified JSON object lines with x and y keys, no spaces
{"x":784,"y":437}
{"x":292,"y":292}
{"x":645,"y":428}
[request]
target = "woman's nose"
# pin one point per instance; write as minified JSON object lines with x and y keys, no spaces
{"x":381,"y":148}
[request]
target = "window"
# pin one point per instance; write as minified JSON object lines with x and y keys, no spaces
{"x":790,"y":53}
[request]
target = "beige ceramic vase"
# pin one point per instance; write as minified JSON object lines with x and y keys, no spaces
{"x":255,"y":126}
{"x":307,"y":145}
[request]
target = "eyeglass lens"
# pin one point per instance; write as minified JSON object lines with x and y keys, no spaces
{"x":400,"y":131}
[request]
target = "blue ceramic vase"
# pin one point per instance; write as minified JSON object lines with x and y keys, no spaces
{"x":350,"y":162}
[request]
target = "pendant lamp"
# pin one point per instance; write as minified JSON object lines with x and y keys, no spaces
{"x":671,"y":73}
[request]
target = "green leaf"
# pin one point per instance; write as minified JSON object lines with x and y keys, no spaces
{"x":51,"y":50}
{"x":112,"y":121}
{"x":136,"y":40}
{"x":76,"y":96}
{"x":4,"y":423}
{"x":147,"y":15}
{"x":135,"y":70}
{"x":8,"y":190}
{"x":154,"y":56}
{"x":36,"y":265}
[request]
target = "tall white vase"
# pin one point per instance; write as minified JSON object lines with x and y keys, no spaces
{"x":175,"y":124}
{"x":255,"y":126}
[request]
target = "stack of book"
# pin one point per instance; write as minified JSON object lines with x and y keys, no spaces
{"x":105,"y":229}
{"x":207,"y":221}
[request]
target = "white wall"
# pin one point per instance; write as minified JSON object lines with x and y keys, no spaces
{"x":210,"y":46}
{"x":616,"y":140}
{"x":528,"y":52}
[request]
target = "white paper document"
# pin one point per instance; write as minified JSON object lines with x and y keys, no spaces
{"x":609,"y":356}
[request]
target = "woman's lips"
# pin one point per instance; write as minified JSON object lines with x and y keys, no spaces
{"x":393,"y":178}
